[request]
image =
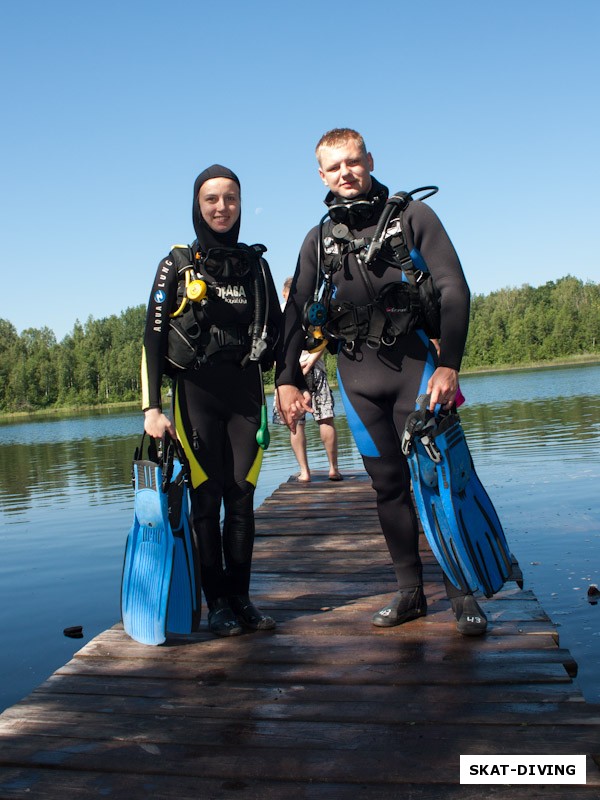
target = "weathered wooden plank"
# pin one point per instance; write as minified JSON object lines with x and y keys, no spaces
{"x":353,"y":481}
{"x":279,"y":649}
{"x":311,"y":646}
{"x":277,"y":525}
{"x":437,"y":623}
{"x":411,"y":674}
{"x":333,"y":543}
{"x":248,"y":696}
{"x":214,"y":735}
{"x":262,"y":752}
{"x":431,"y":704}
{"x":58,"y":783}
{"x":225,"y":739}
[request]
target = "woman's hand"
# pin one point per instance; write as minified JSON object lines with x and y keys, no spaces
{"x":292,"y":404}
{"x":156,"y":424}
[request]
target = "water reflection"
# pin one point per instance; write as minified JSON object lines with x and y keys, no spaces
{"x":531,"y":386}
{"x":566,"y":428}
{"x":55,"y":472}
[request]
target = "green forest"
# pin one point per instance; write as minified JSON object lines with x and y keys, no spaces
{"x":99,"y":362}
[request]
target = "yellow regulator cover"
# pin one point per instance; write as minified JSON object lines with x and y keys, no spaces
{"x":196,"y":290}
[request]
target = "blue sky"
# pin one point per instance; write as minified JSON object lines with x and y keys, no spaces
{"x":111,"y":109}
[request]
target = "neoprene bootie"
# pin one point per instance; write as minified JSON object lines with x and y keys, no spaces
{"x":470,"y":619}
{"x":249,"y":615}
{"x":407,"y":604}
{"x":221,"y":619}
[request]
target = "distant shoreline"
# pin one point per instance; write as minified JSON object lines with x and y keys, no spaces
{"x":573,"y":361}
{"x":585,"y":360}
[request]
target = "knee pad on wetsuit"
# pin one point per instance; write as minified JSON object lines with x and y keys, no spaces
{"x":206,"y":500}
{"x":206,"y":531}
{"x":389,"y":474}
{"x":391,"y":481}
{"x":238,"y":527}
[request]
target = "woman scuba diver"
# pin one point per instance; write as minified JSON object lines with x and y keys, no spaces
{"x":213,"y":318}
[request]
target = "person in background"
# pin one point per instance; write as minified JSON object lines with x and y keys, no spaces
{"x":322,"y":403}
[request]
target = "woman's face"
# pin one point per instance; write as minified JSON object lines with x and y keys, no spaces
{"x":220,"y":204}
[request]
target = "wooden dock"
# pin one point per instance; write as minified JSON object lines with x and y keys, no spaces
{"x":326,"y":706}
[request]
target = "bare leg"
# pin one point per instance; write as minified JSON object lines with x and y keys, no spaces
{"x":329,"y":438}
{"x":298,"y":442}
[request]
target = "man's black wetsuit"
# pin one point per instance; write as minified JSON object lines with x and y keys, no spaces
{"x":379,"y":387}
{"x":217,"y":410}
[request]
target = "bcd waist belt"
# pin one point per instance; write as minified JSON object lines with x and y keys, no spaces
{"x":395,"y":312}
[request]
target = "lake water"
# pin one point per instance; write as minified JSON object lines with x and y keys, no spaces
{"x":66,"y":506}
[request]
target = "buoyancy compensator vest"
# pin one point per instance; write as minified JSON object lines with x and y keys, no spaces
{"x":400,"y":307}
{"x":222,"y":308}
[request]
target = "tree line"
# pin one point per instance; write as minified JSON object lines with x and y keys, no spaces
{"x":99,"y":362}
{"x":518,"y":326}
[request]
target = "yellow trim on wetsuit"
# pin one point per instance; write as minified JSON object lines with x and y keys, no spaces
{"x":144,"y":371}
{"x":197,"y":474}
{"x":252,"y":476}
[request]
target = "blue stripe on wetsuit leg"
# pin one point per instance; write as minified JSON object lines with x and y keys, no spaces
{"x":362,"y":437}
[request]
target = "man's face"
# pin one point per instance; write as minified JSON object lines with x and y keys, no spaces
{"x":346,"y":169}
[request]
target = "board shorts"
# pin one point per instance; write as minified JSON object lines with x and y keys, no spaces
{"x":322,"y":399}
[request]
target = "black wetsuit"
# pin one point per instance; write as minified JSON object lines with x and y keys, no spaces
{"x":217,"y":408}
{"x":379,"y":387}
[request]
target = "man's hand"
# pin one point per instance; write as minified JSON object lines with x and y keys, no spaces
{"x":442,"y":387}
{"x":292,"y":404}
{"x":156,"y":424}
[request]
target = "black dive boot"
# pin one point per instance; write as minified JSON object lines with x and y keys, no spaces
{"x":470,"y":619}
{"x":249,"y":615}
{"x":407,"y":604}
{"x":221,"y":619}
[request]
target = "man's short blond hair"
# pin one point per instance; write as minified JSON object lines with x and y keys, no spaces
{"x":338,"y":136}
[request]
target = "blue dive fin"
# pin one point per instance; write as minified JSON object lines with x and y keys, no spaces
{"x":457,"y":515}
{"x":470,"y":512}
{"x":431,"y":512}
{"x":183,"y":614}
{"x":148,"y":558}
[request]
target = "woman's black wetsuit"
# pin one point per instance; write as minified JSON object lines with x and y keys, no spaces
{"x":379,"y":386}
{"x":216,"y":407}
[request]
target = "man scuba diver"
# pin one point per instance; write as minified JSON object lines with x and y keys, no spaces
{"x":386,"y":358}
